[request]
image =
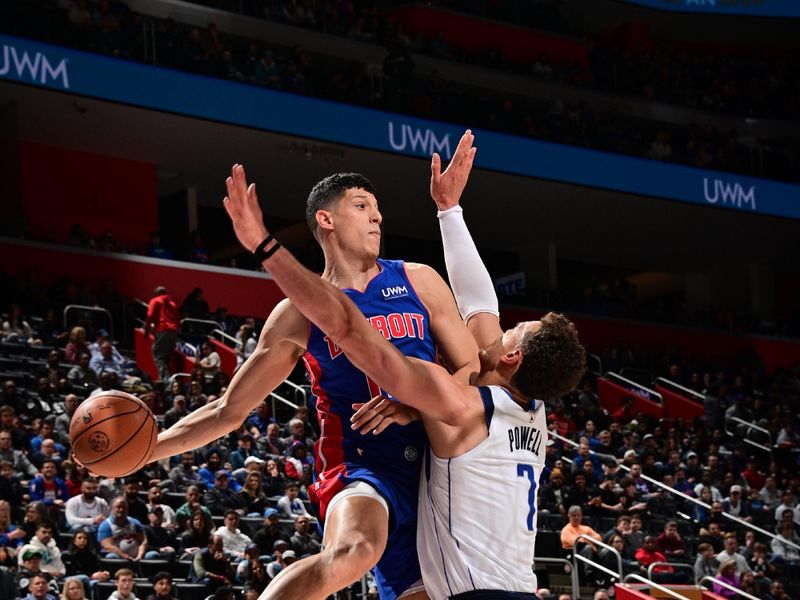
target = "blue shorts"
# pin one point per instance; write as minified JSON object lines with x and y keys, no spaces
{"x":398,"y":568}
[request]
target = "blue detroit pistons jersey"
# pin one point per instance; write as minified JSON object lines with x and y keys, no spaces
{"x":394,"y":309}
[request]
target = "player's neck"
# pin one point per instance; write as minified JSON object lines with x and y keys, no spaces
{"x":346,"y":270}
{"x":498,"y":378}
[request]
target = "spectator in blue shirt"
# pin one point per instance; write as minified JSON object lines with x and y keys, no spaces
{"x":47,"y":487}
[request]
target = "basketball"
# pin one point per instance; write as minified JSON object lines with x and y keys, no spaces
{"x":113,"y":433}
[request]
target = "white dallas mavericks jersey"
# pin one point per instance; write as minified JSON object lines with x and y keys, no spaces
{"x":477,"y":512}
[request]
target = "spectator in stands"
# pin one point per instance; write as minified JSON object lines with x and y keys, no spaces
{"x":290,"y":505}
{"x":258,"y":422}
{"x":123,"y":578}
{"x":282,"y":560}
{"x":210,"y":361}
{"x":159,"y":538}
{"x":47,"y":487}
{"x":43,"y":543}
{"x":81,"y":559}
{"x":87,"y":510}
{"x":38,"y":404}
{"x":155,"y":248}
{"x":30,"y":567}
{"x":705,"y":563}
{"x":73,"y":589}
{"x":221,"y":498}
{"x":154,"y":497}
{"x":298,"y":464}
{"x":137,"y":508}
{"x":106,"y":361}
{"x":121,"y":536}
{"x":62,"y":421}
{"x":192,"y":504}
{"x":38,"y":588}
{"x":271,"y":443}
{"x":234,"y":541}
{"x":257,"y":578}
{"x":270,"y":532}
{"x":163,"y":319}
{"x":196,"y":398}
{"x":35,"y":513}
{"x":177,"y":412}
{"x":197,"y":533}
{"x":670,"y":543}
{"x":647,"y":555}
{"x":162,"y":587}
{"x":19,"y":461}
{"x":46,"y":429}
{"x":552,"y":494}
{"x":194,"y":305}
{"x":770,"y":495}
{"x":10,"y":398}
{"x":788,"y":502}
{"x":609,"y":560}
{"x":276,"y":480}
{"x":246,"y":336}
{"x":16,"y":329}
{"x":730,"y":552}
{"x":77,"y":344}
{"x":185,"y":475}
{"x":574,"y":528}
{"x":82,"y":375}
{"x":785,"y":545}
{"x":10,"y":489}
{"x":244,"y":450}
{"x":727,"y":574}
{"x":11,"y":536}
{"x":208,"y":471}
{"x":253,"y":500}
{"x":211,"y":567}
{"x":304,"y":541}
{"x":734,"y":505}
{"x":777,"y":591}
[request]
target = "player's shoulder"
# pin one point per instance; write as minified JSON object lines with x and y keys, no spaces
{"x":423,"y":276}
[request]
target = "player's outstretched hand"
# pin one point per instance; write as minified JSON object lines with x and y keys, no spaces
{"x":447,"y":187}
{"x":377,"y":414}
{"x":241,"y":203}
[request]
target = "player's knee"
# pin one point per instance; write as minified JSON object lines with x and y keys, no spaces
{"x":358,"y":553}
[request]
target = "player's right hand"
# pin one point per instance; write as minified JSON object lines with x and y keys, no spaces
{"x":377,"y":414}
{"x":241,"y":203}
{"x":447,"y":187}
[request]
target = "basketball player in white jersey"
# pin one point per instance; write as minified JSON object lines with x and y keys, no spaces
{"x":487,"y":434}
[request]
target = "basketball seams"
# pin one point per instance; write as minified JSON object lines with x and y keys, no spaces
{"x":103,"y":420}
{"x":147,"y":453}
{"x":123,"y":444}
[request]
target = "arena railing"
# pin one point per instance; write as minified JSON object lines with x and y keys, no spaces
{"x":573,"y":574}
{"x":69,"y":308}
{"x":648,"y":582}
{"x":750,"y":427}
{"x":210,"y":323}
{"x":660,"y":563}
{"x":576,"y":556}
{"x":667,"y":488}
{"x":226,"y":337}
{"x":649,"y":394}
{"x":728,"y":586}
{"x":298,"y":389}
{"x":667,"y":383}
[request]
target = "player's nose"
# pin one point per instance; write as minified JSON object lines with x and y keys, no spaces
{"x":377,"y":217}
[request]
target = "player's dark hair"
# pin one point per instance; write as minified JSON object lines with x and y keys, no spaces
{"x":554,"y":359}
{"x":328,"y":191}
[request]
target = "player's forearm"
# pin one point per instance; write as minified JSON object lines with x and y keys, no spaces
{"x":201,"y":427}
{"x":470,"y":280}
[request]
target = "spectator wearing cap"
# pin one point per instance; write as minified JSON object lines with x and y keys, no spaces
{"x":282,"y":560}
{"x":243,"y":452}
{"x":270,"y":533}
{"x":693,"y":469}
{"x":30,"y":566}
{"x":290,"y":505}
{"x":251,"y":554}
{"x":304,"y":540}
{"x":177,"y":412}
{"x":254,"y":502}
{"x":162,"y":587}
{"x":233,"y":540}
{"x":726,"y":573}
{"x":736,"y":505}
{"x":551,"y":494}
{"x":221,"y":498}
{"x":159,"y":538}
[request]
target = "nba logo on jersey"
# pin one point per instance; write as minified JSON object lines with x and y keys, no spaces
{"x":397,"y":291}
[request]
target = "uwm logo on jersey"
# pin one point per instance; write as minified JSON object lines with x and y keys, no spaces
{"x":392,"y":326}
{"x":396,"y":291}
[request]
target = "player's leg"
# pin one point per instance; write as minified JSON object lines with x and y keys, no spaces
{"x":355,"y":536}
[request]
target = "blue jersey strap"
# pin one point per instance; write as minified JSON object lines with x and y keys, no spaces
{"x":488,"y":404}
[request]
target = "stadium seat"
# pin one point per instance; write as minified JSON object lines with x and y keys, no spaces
{"x":112,"y":564}
{"x":548,"y":544}
{"x":103,"y":589}
{"x":180,"y":568}
{"x":148,"y":568}
{"x":191,"y":591}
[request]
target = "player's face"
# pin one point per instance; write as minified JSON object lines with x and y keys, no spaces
{"x":357,"y":222}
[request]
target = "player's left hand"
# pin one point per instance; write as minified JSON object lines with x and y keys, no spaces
{"x":241,"y":203}
{"x":447,"y":187}
{"x":377,"y":414}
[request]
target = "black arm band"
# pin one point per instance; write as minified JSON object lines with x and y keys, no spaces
{"x":259,"y":253}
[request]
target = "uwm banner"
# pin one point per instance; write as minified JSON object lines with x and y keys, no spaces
{"x":759,"y":8}
{"x":76,"y":72}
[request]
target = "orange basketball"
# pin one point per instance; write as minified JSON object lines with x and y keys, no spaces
{"x":113,"y":433}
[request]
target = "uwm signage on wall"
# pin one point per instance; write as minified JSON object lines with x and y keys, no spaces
{"x":116,"y":80}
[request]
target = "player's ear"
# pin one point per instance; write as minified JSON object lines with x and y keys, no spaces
{"x":512,"y":359}
{"x":324,"y":219}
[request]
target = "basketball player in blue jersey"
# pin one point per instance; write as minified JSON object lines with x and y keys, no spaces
{"x":366,"y":488}
{"x":487,"y":435}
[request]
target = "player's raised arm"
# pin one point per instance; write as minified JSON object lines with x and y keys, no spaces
{"x":281,"y":344}
{"x":417,"y":383}
{"x":469,"y":278}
